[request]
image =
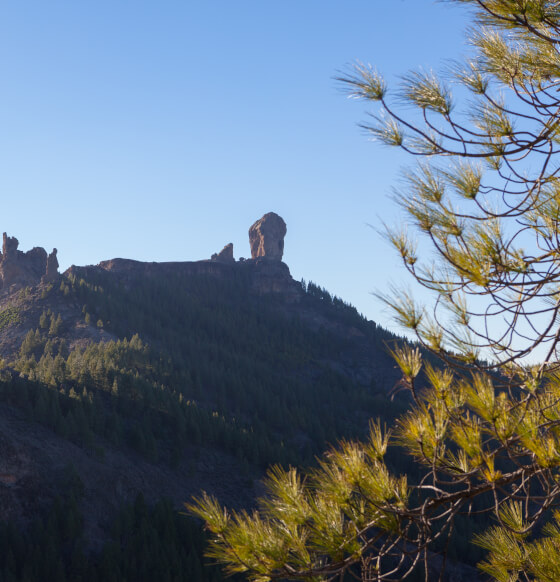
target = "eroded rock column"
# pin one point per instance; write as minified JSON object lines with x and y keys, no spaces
{"x":266,"y":237}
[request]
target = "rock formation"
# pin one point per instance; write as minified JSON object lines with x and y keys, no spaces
{"x":9,"y":247}
{"x":225,"y":255}
{"x":17,"y":267}
{"x":51,"y":274}
{"x":266,"y":237}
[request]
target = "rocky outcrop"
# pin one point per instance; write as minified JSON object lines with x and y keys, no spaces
{"x":9,"y":247}
{"x":225,"y":255}
{"x":265,"y":270}
{"x":51,"y":273}
{"x":266,"y":237}
{"x":30,"y":268}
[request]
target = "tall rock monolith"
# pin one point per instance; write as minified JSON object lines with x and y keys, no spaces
{"x":266,"y":237}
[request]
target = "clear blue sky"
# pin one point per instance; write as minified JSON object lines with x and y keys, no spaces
{"x":161,"y":130}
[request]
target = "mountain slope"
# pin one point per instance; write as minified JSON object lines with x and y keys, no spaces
{"x":162,"y":379}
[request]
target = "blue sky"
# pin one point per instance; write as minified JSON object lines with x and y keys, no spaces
{"x":163,"y":130}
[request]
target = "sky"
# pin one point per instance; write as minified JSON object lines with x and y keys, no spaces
{"x":161,"y":130}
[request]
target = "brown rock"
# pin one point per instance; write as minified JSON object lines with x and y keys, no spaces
{"x":225,"y":255}
{"x":51,"y":274}
{"x":34,"y":261}
{"x":18,"y":268}
{"x":266,"y":237}
{"x":9,"y":247}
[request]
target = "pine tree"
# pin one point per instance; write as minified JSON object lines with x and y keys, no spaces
{"x":56,"y":324}
{"x":485,"y":428}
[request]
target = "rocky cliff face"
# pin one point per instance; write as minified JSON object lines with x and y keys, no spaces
{"x":30,"y":268}
{"x":266,"y":237}
{"x":267,"y":277}
{"x":266,"y":271}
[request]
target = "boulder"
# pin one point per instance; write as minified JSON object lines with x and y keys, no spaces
{"x":266,"y":237}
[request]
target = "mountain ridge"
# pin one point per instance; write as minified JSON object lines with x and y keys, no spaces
{"x":150,"y":380}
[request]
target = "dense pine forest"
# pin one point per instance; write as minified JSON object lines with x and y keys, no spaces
{"x":190,"y":364}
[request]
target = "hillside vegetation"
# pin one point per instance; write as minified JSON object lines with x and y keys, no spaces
{"x":194,"y":379}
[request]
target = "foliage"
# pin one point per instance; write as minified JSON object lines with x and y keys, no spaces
{"x":8,"y":317}
{"x":217,"y":363}
{"x":195,"y":364}
{"x":144,"y":543}
{"x":486,"y":430}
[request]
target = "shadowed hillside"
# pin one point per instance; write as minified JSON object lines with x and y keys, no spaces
{"x":127,"y":387}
